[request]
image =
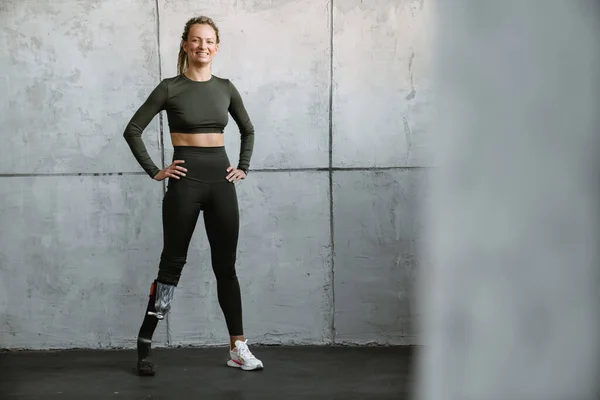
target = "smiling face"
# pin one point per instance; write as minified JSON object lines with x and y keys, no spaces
{"x":201,"y":45}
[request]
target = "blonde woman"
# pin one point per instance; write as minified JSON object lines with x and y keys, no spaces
{"x":200,"y":178}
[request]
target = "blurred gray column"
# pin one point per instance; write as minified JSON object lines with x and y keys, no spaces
{"x":510,"y":281}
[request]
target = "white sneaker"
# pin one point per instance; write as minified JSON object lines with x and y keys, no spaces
{"x":241,"y":357}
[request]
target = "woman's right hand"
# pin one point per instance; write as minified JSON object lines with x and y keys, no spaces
{"x":172,"y":171}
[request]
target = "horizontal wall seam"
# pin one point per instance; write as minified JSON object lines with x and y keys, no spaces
{"x":50,"y":174}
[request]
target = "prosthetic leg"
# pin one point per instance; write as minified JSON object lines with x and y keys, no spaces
{"x":159,"y":303}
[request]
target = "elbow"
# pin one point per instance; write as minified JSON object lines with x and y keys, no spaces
{"x":247,"y":131}
{"x":128,"y":137}
{"x":127,"y":133}
{"x":131,"y":132}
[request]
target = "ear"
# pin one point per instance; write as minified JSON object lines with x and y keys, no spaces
{"x":184,"y":44}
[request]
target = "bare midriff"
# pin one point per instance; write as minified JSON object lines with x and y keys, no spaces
{"x":198,"y":139}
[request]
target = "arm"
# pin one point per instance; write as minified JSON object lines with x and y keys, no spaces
{"x":140,"y":120}
{"x":240,"y":116}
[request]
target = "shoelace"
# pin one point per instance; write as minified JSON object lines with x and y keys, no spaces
{"x":244,"y":352}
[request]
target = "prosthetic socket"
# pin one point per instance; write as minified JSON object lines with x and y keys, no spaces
{"x":162,"y":303}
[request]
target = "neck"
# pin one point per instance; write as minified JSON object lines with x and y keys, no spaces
{"x":198,"y":73}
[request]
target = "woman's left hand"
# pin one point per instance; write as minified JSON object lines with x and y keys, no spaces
{"x":235,"y":174}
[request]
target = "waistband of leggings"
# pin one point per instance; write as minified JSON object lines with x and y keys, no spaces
{"x":199,"y":150}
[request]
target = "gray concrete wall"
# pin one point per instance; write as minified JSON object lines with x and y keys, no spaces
{"x":510,"y":288}
{"x":330,"y":225}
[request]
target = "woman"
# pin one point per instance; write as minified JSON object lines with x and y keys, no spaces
{"x":201,"y":178}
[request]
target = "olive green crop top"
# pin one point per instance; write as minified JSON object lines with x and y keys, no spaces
{"x":191,"y":107}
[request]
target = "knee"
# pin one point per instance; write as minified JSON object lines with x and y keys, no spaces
{"x":225,"y":271}
{"x":168,"y":261}
{"x":228,"y":275}
{"x":170,"y":269}
{"x":224,"y":264}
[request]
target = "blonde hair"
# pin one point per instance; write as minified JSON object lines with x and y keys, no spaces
{"x":182,"y":60}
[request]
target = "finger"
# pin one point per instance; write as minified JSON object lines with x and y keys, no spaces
{"x":173,"y":171}
{"x":181,"y":169}
{"x":230,"y":168}
{"x":236,"y":177}
{"x":177,"y":172}
{"x":178,"y":162}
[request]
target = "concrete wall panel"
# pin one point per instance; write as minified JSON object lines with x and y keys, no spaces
{"x":377,"y":226}
{"x":73,"y":73}
{"x":77,"y":258}
{"x":283,"y":265}
{"x":382,"y":94}
{"x":278,"y":56}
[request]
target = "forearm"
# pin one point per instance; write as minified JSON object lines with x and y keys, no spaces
{"x":139,"y":151}
{"x":140,"y":120}
{"x":246,"y":149}
{"x":242,"y":119}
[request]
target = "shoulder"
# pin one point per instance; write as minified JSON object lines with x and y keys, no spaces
{"x":228,"y":85}
{"x":163,"y":85}
{"x":173,"y":84}
{"x":166,"y":82}
{"x":220,"y":79}
{"x":222,"y":82}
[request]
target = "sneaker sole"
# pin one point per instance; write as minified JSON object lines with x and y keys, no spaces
{"x":245,"y":368}
{"x":145,"y":368}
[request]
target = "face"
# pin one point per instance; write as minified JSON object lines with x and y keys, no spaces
{"x":201,"y":45}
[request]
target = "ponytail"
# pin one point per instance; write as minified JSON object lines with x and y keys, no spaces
{"x":181,"y":60}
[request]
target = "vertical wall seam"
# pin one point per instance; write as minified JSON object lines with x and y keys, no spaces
{"x":161,"y":133}
{"x":160,"y":115}
{"x":331,"y":222}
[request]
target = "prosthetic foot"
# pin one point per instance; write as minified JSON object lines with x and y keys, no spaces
{"x":159,"y":303}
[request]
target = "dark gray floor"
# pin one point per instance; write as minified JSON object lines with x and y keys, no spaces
{"x":290,"y":373}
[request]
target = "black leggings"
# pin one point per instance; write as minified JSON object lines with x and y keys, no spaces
{"x":204,"y":188}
